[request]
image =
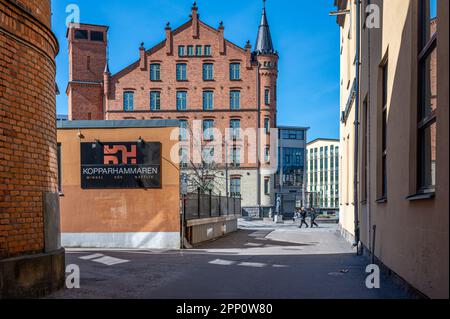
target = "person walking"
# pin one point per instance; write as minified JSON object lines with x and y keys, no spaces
{"x":303,"y":215}
{"x":313,"y":218}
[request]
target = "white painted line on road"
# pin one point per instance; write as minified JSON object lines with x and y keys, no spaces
{"x":280,"y":266}
{"x":90,"y":257}
{"x":110,"y":261}
{"x":222,"y":262}
{"x":255,"y":265}
{"x":253,"y":245}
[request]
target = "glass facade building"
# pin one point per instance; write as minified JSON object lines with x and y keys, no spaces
{"x":323,"y":174}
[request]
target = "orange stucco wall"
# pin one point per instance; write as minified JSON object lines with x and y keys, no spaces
{"x":121,"y":210}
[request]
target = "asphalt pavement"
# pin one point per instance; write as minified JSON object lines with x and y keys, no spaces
{"x":260,"y":261}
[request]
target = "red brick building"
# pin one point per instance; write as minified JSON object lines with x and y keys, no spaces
{"x":193,"y":74}
{"x":31,"y":259}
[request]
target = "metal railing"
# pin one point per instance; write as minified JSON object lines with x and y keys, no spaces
{"x":200,"y":205}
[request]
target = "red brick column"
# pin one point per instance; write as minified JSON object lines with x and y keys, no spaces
{"x":28,"y":164}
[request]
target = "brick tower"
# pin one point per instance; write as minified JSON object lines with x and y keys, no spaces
{"x":87,"y":65}
{"x":31,"y":258}
{"x":267,"y":58}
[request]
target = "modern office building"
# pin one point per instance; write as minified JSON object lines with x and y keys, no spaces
{"x":195,"y":76}
{"x":323,"y":174}
{"x":397,"y":209}
{"x":290,"y":180}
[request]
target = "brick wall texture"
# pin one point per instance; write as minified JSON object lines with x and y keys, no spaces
{"x":28,"y":165}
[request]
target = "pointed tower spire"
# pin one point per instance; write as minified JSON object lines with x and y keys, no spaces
{"x":264,"y":44}
{"x":107,"y":67}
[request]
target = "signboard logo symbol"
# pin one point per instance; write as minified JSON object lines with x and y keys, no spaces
{"x":119,"y":154}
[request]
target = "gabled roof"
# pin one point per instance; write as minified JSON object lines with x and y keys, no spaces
{"x":162,"y":44}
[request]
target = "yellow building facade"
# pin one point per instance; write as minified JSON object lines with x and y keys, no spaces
{"x":402,"y":201}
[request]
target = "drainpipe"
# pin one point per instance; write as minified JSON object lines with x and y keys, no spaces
{"x":369,"y":165}
{"x":357,"y":103}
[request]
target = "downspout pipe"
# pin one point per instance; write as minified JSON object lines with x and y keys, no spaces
{"x":357,"y":106}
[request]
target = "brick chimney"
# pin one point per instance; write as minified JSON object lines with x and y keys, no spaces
{"x":248,"y":55}
{"x":87,"y":59}
{"x":143,"y":58}
{"x":195,"y":17}
{"x":221,"y":38}
{"x":169,"y":39}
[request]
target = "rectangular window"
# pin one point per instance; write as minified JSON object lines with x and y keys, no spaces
{"x":267,"y":154}
{"x":184,"y":158}
{"x":155,"y":72}
{"x":181,"y":100}
{"x":236,"y":157}
{"x":207,"y":50}
{"x":81,"y":34}
{"x":181,"y":50}
{"x":208,"y":100}
{"x":181,"y":71}
{"x":293,"y":157}
{"x":235,"y":126}
{"x":208,"y":130}
{"x":235,"y":71}
{"x":155,"y":101}
{"x":208,"y":154}
{"x":183,"y":130}
{"x":267,"y":96}
{"x":97,"y":36}
{"x":292,"y":135}
{"x":198,"y":50}
{"x":384,"y":131}
{"x":267,"y":125}
{"x":190,"y":50}
{"x":267,"y":186}
{"x":235,"y":187}
{"x":235,"y":100}
{"x":208,"y":72}
{"x":128,"y":101}
{"x":427,"y":108}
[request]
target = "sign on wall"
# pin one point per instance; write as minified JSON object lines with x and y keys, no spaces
{"x":120,"y":165}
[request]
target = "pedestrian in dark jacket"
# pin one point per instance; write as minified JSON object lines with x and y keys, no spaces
{"x":313,"y":218}
{"x":303,"y":215}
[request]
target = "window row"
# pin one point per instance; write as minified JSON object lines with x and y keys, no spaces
{"x":235,"y":131}
{"x":97,"y":36}
{"x":181,"y":100}
{"x":208,"y":156}
{"x":207,"y":73}
{"x":197,"y":50}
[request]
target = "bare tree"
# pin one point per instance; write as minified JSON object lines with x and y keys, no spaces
{"x":205,"y":175}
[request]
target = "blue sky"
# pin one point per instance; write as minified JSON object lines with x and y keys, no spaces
{"x":305,"y":36}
